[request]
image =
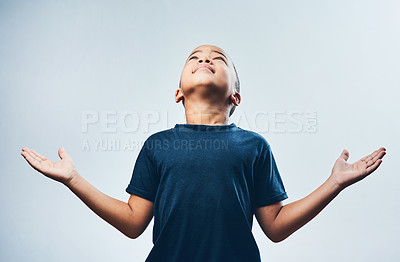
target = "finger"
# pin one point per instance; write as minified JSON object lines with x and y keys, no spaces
{"x":368,"y":158}
{"x":376,"y":158}
{"x":372,"y":155}
{"x":33,"y":156}
{"x":374,"y":166}
{"x":380,"y":155}
{"x":62,"y":153}
{"x":345,"y":154}
{"x":31,"y":161}
{"x":378,"y":151}
{"x":38,"y":155}
{"x":377,"y":154}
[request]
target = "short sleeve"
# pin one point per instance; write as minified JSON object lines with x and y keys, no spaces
{"x":268,"y":185}
{"x":144,"y":182}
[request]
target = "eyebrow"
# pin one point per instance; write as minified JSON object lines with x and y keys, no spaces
{"x":211,"y":51}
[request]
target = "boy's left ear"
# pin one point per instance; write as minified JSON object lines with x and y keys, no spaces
{"x":235,"y":98}
{"x":178,"y":95}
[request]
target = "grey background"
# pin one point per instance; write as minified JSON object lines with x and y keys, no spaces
{"x":59,"y":60}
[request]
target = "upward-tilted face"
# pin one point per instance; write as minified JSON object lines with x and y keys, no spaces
{"x":208,"y":74}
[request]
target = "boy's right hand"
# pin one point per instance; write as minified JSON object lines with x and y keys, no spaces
{"x":62,"y":171}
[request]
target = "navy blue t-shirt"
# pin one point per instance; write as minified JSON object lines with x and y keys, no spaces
{"x":205,"y":182}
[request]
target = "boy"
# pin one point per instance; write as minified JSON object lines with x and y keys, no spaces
{"x":204,"y":180}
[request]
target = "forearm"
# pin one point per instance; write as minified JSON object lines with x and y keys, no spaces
{"x":115,"y":212}
{"x":296,"y":214}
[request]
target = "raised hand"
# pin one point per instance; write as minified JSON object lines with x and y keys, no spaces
{"x":345,"y":174}
{"x":62,"y":171}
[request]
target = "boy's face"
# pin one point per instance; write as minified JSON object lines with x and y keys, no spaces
{"x":208,"y":74}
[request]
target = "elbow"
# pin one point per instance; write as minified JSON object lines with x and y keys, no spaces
{"x":132,"y":234}
{"x":277,"y":238}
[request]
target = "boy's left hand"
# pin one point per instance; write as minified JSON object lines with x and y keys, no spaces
{"x":345,"y":174}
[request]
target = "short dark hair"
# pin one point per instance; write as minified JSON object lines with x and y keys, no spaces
{"x":237,"y":88}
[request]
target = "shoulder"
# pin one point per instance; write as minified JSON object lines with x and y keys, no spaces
{"x":160,"y":134}
{"x":157,"y":140}
{"x":254,"y":137}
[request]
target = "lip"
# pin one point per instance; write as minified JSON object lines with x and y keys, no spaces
{"x":204,"y":66}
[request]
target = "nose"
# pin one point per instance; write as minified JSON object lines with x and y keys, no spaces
{"x":205,"y":59}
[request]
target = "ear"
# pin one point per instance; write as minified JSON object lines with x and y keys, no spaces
{"x":235,"y":98}
{"x":178,"y":95}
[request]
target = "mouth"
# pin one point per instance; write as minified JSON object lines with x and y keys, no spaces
{"x":204,"y":67}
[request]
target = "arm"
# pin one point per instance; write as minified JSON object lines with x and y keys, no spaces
{"x":130,"y":218}
{"x":279,"y":221}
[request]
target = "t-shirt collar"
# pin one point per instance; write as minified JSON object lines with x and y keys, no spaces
{"x":192,"y":127}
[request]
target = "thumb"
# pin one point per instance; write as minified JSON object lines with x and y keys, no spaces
{"x":345,"y":155}
{"x":62,"y":153}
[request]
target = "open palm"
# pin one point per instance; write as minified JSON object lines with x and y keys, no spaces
{"x":345,"y":174}
{"x":61,"y":171}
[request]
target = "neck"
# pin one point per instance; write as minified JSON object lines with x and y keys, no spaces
{"x":205,"y":114}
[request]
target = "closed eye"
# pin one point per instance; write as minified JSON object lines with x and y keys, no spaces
{"x":221,"y":59}
{"x":215,"y":58}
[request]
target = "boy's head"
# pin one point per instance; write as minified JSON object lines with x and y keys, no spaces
{"x":209,"y":76}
